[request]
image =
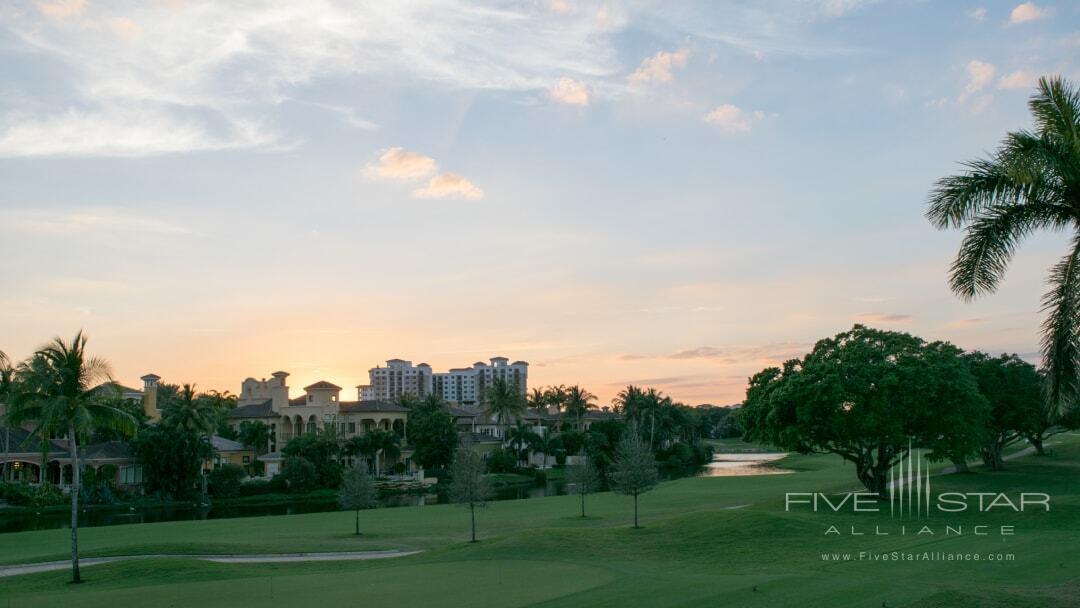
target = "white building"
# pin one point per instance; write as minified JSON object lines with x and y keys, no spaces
{"x":464,"y":385}
{"x":399,"y":377}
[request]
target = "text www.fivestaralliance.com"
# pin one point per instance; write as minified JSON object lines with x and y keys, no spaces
{"x":917,"y":556}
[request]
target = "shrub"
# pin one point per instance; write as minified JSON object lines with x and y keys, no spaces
{"x":255,"y":487}
{"x":501,"y":461}
{"x":224,"y":481}
{"x":299,"y":474}
{"x":26,"y":495}
{"x":278,"y":485}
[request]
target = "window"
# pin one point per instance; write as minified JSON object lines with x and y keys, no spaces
{"x":131,"y":475}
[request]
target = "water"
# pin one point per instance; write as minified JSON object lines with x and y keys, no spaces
{"x":52,"y":520}
{"x":737,"y":465}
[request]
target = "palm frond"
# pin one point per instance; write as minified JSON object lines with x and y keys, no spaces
{"x":991,"y":240}
{"x":957,"y":199}
{"x":1056,"y":109}
{"x":1061,"y":329}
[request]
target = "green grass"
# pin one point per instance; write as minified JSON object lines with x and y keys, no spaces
{"x":696,"y":549}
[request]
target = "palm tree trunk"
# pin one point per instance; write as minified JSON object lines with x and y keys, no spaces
{"x":635,"y":511}
{"x":357,"y":522}
{"x":472,"y":515}
{"x":583,"y":504}
{"x":73,"y":448}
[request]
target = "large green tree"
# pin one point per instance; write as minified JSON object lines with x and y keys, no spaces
{"x":172,"y":459}
{"x":865,"y":395}
{"x":1013,"y":388}
{"x":432,"y":434}
{"x":57,"y":396}
{"x":1030,"y":183}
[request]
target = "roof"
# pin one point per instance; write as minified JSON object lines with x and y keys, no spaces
{"x":109,"y":450}
{"x":23,"y":442}
{"x":226,"y":445}
{"x":458,"y":412}
{"x":252,"y":410}
{"x":271,"y":457}
{"x":104,"y":386}
{"x":350,"y":407}
{"x":301,"y":400}
{"x":151,"y":377}
{"x":322,"y":385}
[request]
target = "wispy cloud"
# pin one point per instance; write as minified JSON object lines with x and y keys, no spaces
{"x":61,"y":9}
{"x":701,"y":352}
{"x":449,"y":185}
{"x":733,"y":119}
{"x":401,"y":164}
{"x":570,"y":92}
{"x":659,"y":68}
{"x":977,"y":14}
{"x":1028,"y":11}
{"x":1016,"y":80}
{"x":883,"y":317}
{"x":87,"y":222}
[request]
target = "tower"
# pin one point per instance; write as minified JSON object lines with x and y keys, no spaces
{"x":150,"y":406}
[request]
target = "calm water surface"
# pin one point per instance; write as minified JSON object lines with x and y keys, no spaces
{"x":738,"y":465}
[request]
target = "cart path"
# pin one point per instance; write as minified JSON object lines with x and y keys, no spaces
{"x":18,"y":569}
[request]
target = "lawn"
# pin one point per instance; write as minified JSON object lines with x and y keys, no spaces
{"x":723,"y":541}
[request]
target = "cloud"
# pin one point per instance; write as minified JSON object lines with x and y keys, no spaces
{"x":732,"y":118}
{"x":449,"y":185}
{"x":881,"y":317}
{"x":228,"y":94}
{"x":1017,"y":80}
{"x":979,"y":74}
{"x":701,"y":352}
{"x":86,"y":222}
{"x":61,"y":9}
{"x":571,"y":92}
{"x":118,"y":132}
{"x":977,"y":14}
{"x":126,"y":29}
{"x":1026,"y":12}
{"x":839,"y":8}
{"x":401,"y":164}
{"x":658,"y":68}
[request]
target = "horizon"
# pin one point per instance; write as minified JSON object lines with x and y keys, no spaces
{"x":615,"y":195}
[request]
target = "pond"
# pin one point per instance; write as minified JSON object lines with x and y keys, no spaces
{"x":743,"y":464}
{"x":51,"y":520}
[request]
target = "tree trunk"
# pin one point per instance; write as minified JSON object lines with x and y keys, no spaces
{"x":635,"y":511}
{"x":1037,"y":442}
{"x":583,"y":504}
{"x":358,"y":522}
{"x":961,"y":466}
{"x":472,"y":515}
{"x":73,"y":448}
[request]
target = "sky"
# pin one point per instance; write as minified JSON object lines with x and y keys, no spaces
{"x":674,"y":195}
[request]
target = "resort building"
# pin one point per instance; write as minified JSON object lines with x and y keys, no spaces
{"x":319,"y":408}
{"x":398,"y":378}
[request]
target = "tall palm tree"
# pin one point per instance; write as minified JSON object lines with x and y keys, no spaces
{"x":1032,"y":182}
{"x":578,"y":402}
{"x":58,"y":396}
{"x":537,"y":399}
{"x":544,"y":444}
{"x":192,"y":412}
{"x":503,"y":402}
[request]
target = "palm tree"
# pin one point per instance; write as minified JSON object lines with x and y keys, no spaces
{"x":58,"y":396}
{"x":503,"y":402}
{"x":520,"y":436}
{"x":578,"y":402}
{"x":545,"y":444}
{"x":7,"y":389}
{"x":194,"y":413}
{"x":372,"y":444}
{"x":537,"y":399}
{"x":1032,"y":182}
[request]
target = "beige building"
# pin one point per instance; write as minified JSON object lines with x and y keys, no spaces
{"x":320,"y":407}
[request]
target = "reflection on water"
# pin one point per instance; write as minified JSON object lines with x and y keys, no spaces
{"x":61,"y":519}
{"x":737,"y":465}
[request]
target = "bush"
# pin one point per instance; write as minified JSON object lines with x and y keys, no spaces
{"x":501,"y":461}
{"x":278,"y":485}
{"x":96,"y":487}
{"x":26,"y":495}
{"x":224,"y":481}
{"x":255,"y":487}
{"x":300,"y":475}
